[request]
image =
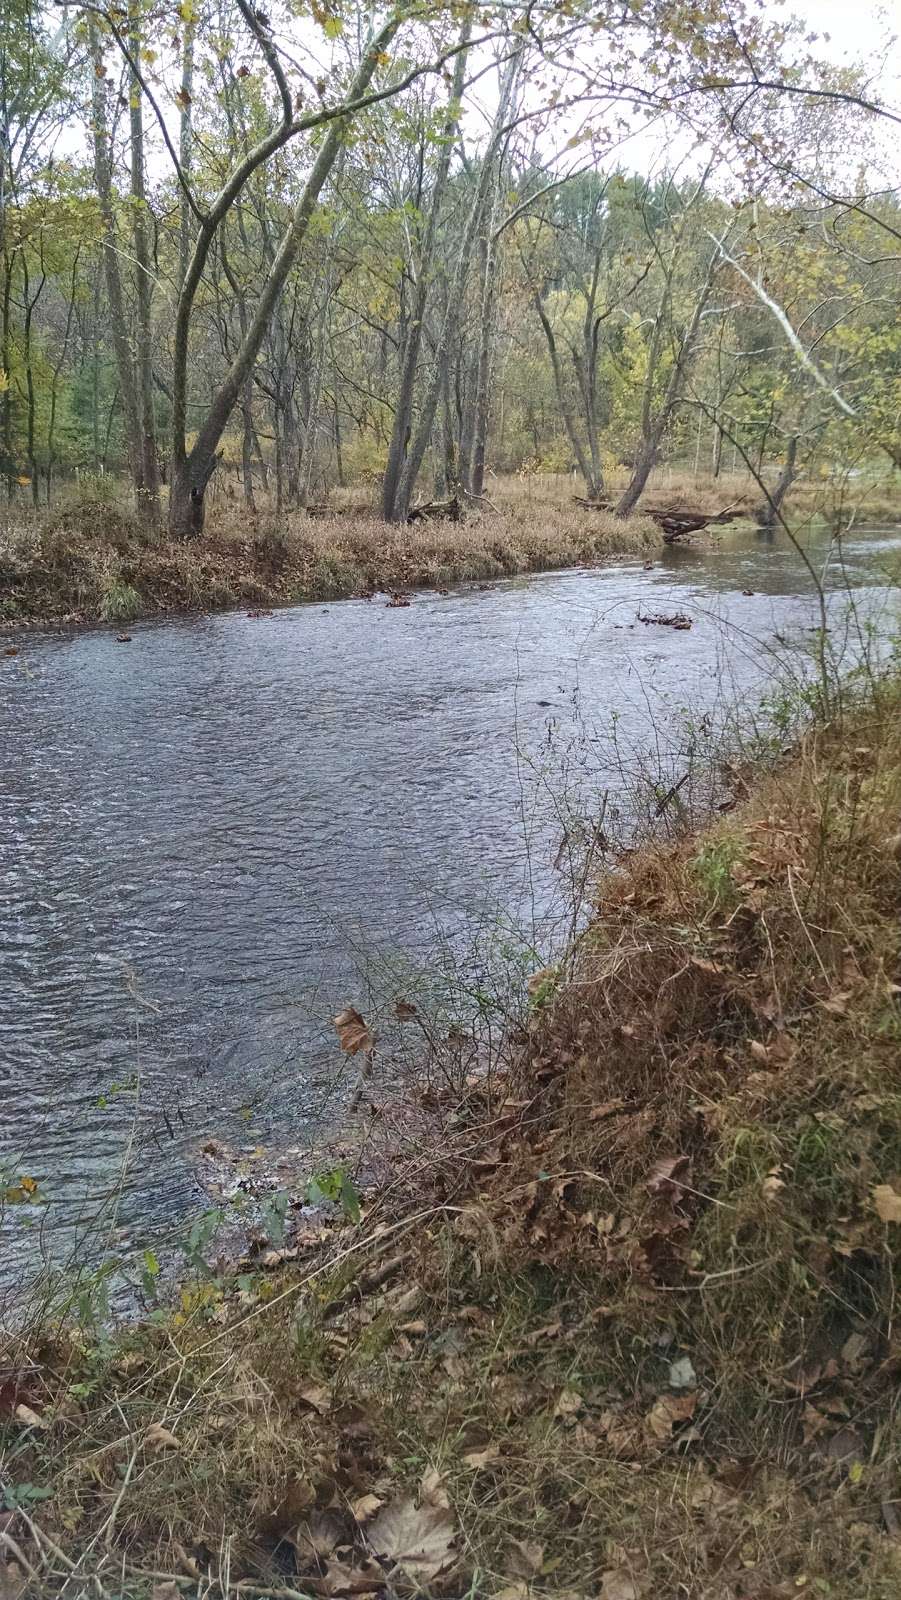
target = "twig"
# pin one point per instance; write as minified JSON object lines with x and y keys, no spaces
{"x":810,"y":938}
{"x":11,"y":1544}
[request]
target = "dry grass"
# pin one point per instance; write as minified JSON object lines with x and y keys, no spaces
{"x":635,"y":1318}
{"x":88,"y":562}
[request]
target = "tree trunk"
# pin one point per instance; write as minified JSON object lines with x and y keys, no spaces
{"x":148,"y":496}
{"x":592,"y":488}
{"x":654,"y":428}
{"x":118,"y":325}
{"x":247,"y":442}
{"x":454,"y":303}
{"x":768,"y":513}
{"x":403,"y":416}
{"x":191,"y":471}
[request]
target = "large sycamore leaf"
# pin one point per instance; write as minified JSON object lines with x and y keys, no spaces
{"x":417,"y":1538}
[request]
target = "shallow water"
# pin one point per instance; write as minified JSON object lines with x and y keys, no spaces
{"x":208,"y":833}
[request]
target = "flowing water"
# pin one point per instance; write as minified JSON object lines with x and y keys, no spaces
{"x":208,"y":832}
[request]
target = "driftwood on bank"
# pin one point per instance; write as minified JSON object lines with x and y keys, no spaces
{"x":449,"y":509}
{"x":674,"y":523}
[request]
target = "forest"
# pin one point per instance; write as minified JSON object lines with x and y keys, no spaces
{"x":421,"y":252}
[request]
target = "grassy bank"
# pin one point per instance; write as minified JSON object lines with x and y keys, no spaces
{"x":625,"y":1328}
{"x":87,"y":561}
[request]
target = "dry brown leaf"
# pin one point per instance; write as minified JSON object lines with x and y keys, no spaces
{"x":13,"y":1581}
{"x":353,"y":1033}
{"x":665,"y":1174}
{"x":159,"y":1438}
{"x":419,"y":1539}
{"x":318,"y":1397}
{"x":366,"y":1507}
{"x":432,"y":1491}
{"x":668,"y":1411}
{"x":887,"y":1202}
{"x":606,"y":1109}
{"x":318,"y":1536}
{"x":340,"y":1579}
{"x":569,"y":1404}
{"x":527,"y":1558}
{"x":551,"y":1330}
{"x":29,"y":1418}
{"x":618,"y":1584}
{"x":402,"y":1301}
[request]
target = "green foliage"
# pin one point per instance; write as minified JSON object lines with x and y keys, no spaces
{"x":335,"y":1186}
{"x":712,"y":868}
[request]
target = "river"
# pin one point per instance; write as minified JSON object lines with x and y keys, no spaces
{"x":217,"y":835}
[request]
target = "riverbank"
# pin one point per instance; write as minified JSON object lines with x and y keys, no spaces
{"x":87,"y":562}
{"x":625,"y":1326}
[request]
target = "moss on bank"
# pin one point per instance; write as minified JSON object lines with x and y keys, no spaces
{"x":627,"y":1328}
{"x":87,"y":562}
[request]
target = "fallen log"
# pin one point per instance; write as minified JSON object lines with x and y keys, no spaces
{"x":675,"y":524}
{"x":436,"y":508}
{"x":676,"y":619}
{"x":604,"y":504}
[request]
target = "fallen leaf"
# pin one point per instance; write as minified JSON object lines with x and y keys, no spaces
{"x":606,"y":1109}
{"x":417,"y":1538}
{"x":475,"y":1460}
{"x":668,"y":1412}
{"x":618,"y":1584}
{"x":569,"y":1404}
{"x":165,"y":1589}
{"x":527,"y":1558}
{"x":887,"y":1202}
{"x":29,"y":1418}
{"x":366,"y":1507}
{"x":318,"y":1536}
{"x":846,"y":1446}
{"x":682,"y":1374}
{"x":353,"y":1034}
{"x":432,"y":1491}
{"x":318,"y":1397}
{"x":159,"y":1438}
{"x":551,"y":1330}
{"x":854,"y":1351}
{"x":665,"y":1174}
{"x":13,"y":1581}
